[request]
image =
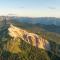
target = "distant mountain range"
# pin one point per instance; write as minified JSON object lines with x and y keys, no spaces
{"x":36,"y":20}
{"x":40,"y":20}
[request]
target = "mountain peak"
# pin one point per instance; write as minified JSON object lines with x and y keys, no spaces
{"x":30,"y":38}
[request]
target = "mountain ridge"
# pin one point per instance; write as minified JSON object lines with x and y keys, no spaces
{"x":30,"y":38}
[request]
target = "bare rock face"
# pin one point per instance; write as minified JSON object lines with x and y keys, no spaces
{"x":30,"y":38}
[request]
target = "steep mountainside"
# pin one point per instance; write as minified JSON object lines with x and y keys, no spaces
{"x":30,"y":38}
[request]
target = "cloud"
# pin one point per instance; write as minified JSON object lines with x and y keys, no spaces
{"x":52,"y":8}
{"x":21,"y":7}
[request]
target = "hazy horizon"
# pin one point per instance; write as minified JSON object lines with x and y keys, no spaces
{"x":30,"y":8}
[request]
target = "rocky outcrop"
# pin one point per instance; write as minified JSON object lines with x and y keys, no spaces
{"x":30,"y":38}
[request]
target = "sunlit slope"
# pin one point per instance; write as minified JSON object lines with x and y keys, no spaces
{"x":17,"y":34}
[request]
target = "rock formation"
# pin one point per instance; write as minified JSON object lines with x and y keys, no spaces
{"x":30,"y":38}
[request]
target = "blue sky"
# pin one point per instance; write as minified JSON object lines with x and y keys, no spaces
{"x":30,"y":8}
